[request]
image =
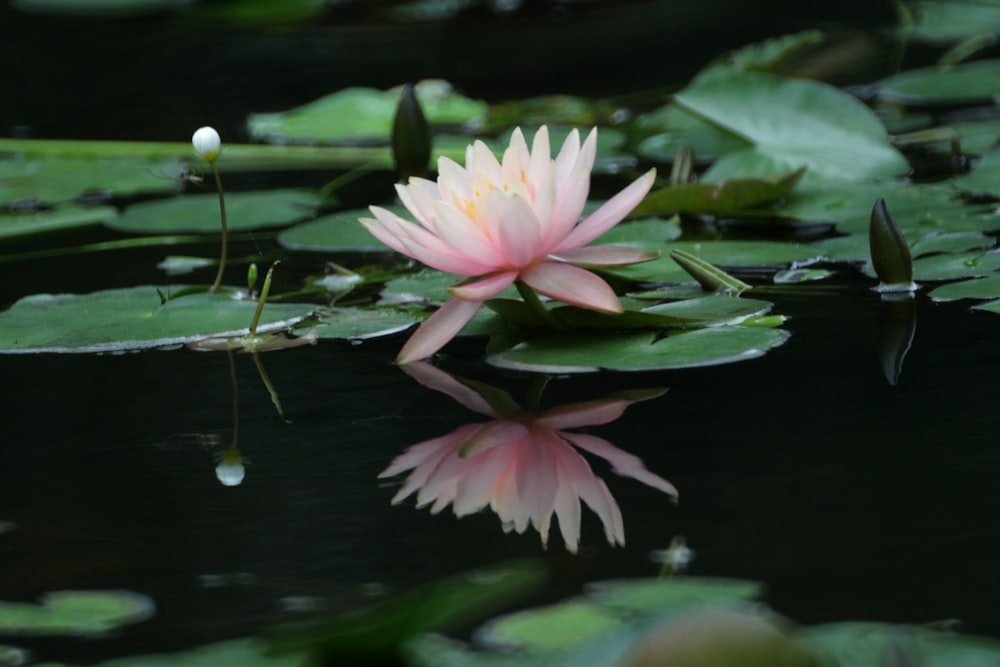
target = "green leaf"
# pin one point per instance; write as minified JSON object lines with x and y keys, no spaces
{"x":362,"y":114}
{"x":985,"y":178}
{"x":978,"y":288}
{"x":588,"y":353}
{"x":550,"y":628}
{"x":340,"y":232}
{"x":673,"y":128}
{"x":671,"y":593}
{"x":14,"y":224}
{"x":200,"y":213}
{"x":99,"y":7}
{"x":708,"y":276}
{"x":365,"y":323}
{"x":54,"y":179}
{"x":75,"y":613}
{"x":944,"y":21}
{"x":242,"y":652}
{"x":864,"y":644}
{"x":967,"y":83}
{"x":132,"y":319}
{"x":952,"y":266}
{"x":790,"y":124}
{"x":379,"y":632}
{"x":766,"y":56}
{"x":731,"y":195}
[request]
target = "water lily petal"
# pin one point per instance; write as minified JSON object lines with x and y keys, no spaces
{"x":414,"y":241}
{"x":587,"y":413}
{"x":465,"y":237}
{"x":418,"y":197}
{"x":484,"y":288}
{"x":512,"y":223}
{"x":609,"y":214}
{"x":623,"y":463}
{"x":438,"y":329}
{"x":572,"y":285}
{"x":540,"y":168}
{"x":566,"y":159}
{"x":606,"y":255}
{"x":573,"y":188}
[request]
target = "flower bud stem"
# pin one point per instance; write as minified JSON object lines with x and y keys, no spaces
{"x":225,"y":231}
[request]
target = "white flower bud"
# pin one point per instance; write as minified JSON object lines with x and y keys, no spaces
{"x":207,"y":143}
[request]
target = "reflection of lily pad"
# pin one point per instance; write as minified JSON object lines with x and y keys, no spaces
{"x":75,"y":613}
{"x":790,"y":124}
{"x":587,"y":353}
{"x":200,"y":213}
{"x":131,"y":319}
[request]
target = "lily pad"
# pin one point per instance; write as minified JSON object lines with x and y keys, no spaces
{"x":550,"y":628}
{"x":952,"y":266}
{"x":674,"y":128}
{"x":944,"y":21}
{"x":365,"y":323}
{"x":75,"y":613}
{"x":867,"y":644}
{"x":362,"y":114}
{"x":242,"y":652}
{"x":790,"y":124}
{"x":977,"y":288}
{"x":340,"y":232}
{"x":731,"y":195}
{"x":966,"y":83}
{"x":588,"y":353}
{"x":54,"y":179}
{"x":132,"y":319}
{"x":200,"y":213}
{"x":667,"y":594}
{"x":984,"y":178}
{"x":15,"y":224}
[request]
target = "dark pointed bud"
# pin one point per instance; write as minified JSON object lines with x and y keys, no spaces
{"x":890,"y":253}
{"x":897,"y":325}
{"x":411,"y":136}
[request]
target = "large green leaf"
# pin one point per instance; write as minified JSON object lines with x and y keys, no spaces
{"x":362,"y":114}
{"x":588,"y":353}
{"x":985,"y":178}
{"x":790,"y":124}
{"x":943,"y":21}
{"x":340,"y":232}
{"x":200,"y":213}
{"x":730,"y":195}
{"x":364,"y":323}
{"x":241,"y":652}
{"x":977,"y":288}
{"x":14,"y":224}
{"x":132,"y":319}
{"x":860,"y":644}
{"x":53,"y":178}
{"x":967,"y":83}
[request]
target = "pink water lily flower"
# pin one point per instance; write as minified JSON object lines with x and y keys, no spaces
{"x":516,"y":219}
{"x":522,"y":464}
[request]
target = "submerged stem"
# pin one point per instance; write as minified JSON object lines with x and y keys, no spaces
{"x":225,"y":231}
{"x":535,"y":302}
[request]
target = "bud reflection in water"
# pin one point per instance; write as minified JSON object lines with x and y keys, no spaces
{"x":523,"y":464}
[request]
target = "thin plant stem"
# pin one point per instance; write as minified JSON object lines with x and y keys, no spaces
{"x":532,"y":299}
{"x":270,"y":387}
{"x":236,"y":398}
{"x":264,"y":291}
{"x":225,"y":231}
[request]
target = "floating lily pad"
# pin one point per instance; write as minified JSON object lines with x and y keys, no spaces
{"x":340,"y":232}
{"x":132,"y":319}
{"x":766,"y":56}
{"x":365,"y":323}
{"x":952,"y":266}
{"x":868,"y":644}
{"x":15,"y":224}
{"x":200,"y":213}
{"x":731,"y":195}
{"x":944,"y":21}
{"x":75,"y":613}
{"x":588,"y":353}
{"x":362,"y":114}
{"x":674,"y":128}
{"x":550,"y":628}
{"x":54,"y":179}
{"x":242,"y":652}
{"x":689,"y":313}
{"x":966,"y":83}
{"x":790,"y":124}
{"x":977,"y":288}
{"x":985,"y":178}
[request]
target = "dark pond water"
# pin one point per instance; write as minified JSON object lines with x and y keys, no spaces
{"x":805,"y":469}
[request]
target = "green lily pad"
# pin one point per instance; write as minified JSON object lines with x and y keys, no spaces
{"x":952,"y":266}
{"x":989,"y":306}
{"x":690,"y":313}
{"x":550,"y":628}
{"x":766,"y":56}
{"x":54,"y":179}
{"x":668,"y":594}
{"x":647,"y":233}
{"x":588,"y":353}
{"x":864,"y":644}
{"x":944,"y":21}
{"x":75,"y":613}
{"x":242,"y":652}
{"x":731,"y":195}
{"x":132,"y":319}
{"x":362,"y":114}
{"x":977,"y":288}
{"x":984,"y":178}
{"x":672,"y":128}
{"x":200,"y":213}
{"x":365,"y":323}
{"x":790,"y":124}
{"x":966,"y":83}
{"x":976,"y":137}
{"x":14,"y":224}
{"x":340,"y":232}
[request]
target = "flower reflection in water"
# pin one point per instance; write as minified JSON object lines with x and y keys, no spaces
{"x":523,"y":464}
